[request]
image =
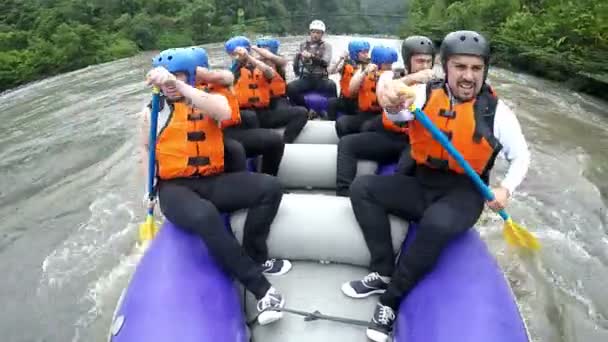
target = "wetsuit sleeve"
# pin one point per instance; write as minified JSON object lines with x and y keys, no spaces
{"x":327,"y":54}
{"x":514,"y":146}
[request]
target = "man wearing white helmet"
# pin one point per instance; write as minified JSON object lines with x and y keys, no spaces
{"x":310,"y":64}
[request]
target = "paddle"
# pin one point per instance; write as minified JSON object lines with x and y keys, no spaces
{"x":148,"y":229}
{"x":313,"y":316}
{"x":513,"y":233}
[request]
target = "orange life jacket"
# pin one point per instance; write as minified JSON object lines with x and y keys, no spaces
{"x":468,"y":125}
{"x":368,"y":101}
{"x":252,"y":89}
{"x":189,"y":144}
{"x":348,"y":70}
{"x":277,"y":86}
{"x":233,"y":102}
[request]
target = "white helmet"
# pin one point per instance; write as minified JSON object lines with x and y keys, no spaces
{"x":317,"y":25}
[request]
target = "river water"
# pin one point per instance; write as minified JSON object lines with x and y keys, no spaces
{"x":71,"y":198}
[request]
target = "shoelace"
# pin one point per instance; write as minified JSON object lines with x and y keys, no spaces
{"x":267,"y":301}
{"x":269,"y":263}
{"x":371,"y":277}
{"x":386,"y":315}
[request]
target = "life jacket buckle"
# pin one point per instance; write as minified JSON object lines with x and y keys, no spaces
{"x":198,"y":161}
{"x":253,"y":86}
{"x":195,"y":117}
{"x":447,"y":113}
{"x":196,"y":136}
{"x":254,"y":99}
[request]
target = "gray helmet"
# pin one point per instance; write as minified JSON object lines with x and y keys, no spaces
{"x":465,"y":43}
{"x":416,"y":45}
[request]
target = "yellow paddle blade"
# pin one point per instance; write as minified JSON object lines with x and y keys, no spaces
{"x":509,"y":235}
{"x":519,"y":236}
{"x":148,"y":229}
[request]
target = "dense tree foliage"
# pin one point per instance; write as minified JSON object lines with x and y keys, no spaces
{"x":560,"y":39}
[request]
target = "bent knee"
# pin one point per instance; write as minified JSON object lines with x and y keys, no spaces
{"x":360,"y":187}
{"x":274,"y":140}
{"x":347,"y":144}
{"x":341,"y":125}
{"x":268,"y":186}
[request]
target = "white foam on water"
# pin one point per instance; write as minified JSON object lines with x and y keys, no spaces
{"x":101,"y":295}
{"x":85,"y":250}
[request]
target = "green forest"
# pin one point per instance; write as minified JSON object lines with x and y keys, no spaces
{"x":557,"y":39}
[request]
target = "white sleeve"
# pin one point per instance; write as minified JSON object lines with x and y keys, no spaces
{"x":405,"y":114}
{"x":420,"y":95}
{"x":386,"y":76}
{"x":514,"y":147}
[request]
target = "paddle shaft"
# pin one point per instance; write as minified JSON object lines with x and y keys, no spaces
{"x":152,"y":145}
{"x":313,"y":316}
{"x":443,"y":140}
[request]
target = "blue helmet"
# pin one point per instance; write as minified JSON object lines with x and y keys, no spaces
{"x":356,"y":46}
{"x":269,"y":43}
{"x":235,"y":42}
{"x":384,"y":55}
{"x":201,"y":56}
{"x":178,"y":60}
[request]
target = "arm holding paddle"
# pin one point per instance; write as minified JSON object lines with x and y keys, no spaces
{"x":422,"y":76}
{"x":338,"y":65}
{"x":515,"y":149}
{"x":396,"y":98}
{"x":357,"y":80}
{"x":223,"y":77}
{"x":244,"y":56}
{"x":402,"y":104}
{"x":400,"y":98}
{"x":144,"y":131}
{"x":215,"y":105}
{"x":276,"y":59}
{"x":325,"y":59}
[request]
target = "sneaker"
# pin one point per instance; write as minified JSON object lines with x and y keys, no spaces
{"x":373,"y":283}
{"x":267,"y":306}
{"x":276,"y":267}
{"x":312,"y":114}
{"x":381,"y":324}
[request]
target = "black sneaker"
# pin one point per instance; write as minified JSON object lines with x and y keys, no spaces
{"x":371,"y":284}
{"x":276,"y":267}
{"x":312,"y":114}
{"x":267,"y":307}
{"x":381,"y":325}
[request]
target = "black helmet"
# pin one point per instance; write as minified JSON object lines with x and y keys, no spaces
{"x":465,"y":43}
{"x":416,"y":45}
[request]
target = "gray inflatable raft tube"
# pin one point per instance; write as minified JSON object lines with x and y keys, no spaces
{"x":306,"y":166}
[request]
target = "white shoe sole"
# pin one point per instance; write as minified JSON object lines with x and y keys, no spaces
{"x":376,"y":335}
{"x":270,"y":316}
{"x":350,"y":292}
{"x":286,"y":268}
